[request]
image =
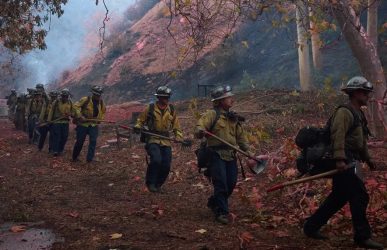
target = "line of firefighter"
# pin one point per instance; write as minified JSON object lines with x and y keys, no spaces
{"x":40,"y":114}
{"x":349,"y":147}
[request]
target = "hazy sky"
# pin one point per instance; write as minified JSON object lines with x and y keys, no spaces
{"x":70,"y":37}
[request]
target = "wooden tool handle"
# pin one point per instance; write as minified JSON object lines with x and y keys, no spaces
{"x":231,"y":145}
{"x":302,"y":180}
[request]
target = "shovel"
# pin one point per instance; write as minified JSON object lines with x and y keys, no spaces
{"x":258,"y":168}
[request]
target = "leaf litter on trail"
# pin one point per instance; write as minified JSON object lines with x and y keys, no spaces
{"x":73,"y":214}
{"x":115,"y":236}
{"x":17,"y":229}
{"x":201,"y":231}
{"x":244,"y":239}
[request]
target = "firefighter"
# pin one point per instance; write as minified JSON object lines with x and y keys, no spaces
{"x":349,"y":148}
{"x":159,"y":118}
{"x":223,"y":169}
{"x":59,"y":117}
{"x":89,"y":110}
{"x":45,"y":127}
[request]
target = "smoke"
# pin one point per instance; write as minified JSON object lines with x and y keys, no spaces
{"x":72,"y":37}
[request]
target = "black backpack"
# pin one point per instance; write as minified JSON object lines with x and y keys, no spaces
{"x":315,"y":144}
{"x":203,"y":153}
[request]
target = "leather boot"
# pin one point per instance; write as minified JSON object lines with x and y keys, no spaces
{"x":370,"y":244}
{"x":316,"y":235}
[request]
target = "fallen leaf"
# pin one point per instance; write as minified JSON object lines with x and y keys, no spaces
{"x":233,"y":217}
{"x":73,"y":214}
{"x":244,"y":238}
{"x":115,"y":236}
{"x":199,"y":185}
{"x":17,"y":229}
{"x":247,"y":236}
{"x":201,"y":231}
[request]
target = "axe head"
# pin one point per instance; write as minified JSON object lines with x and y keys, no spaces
{"x":186,"y":144}
{"x":259,"y":167}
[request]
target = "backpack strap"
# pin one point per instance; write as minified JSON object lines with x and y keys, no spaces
{"x":217,"y":116}
{"x":102,"y":104}
{"x":357,"y":120}
{"x":54,"y":107}
{"x":172,"y":108}
{"x":150,"y":116}
{"x":84,"y":105}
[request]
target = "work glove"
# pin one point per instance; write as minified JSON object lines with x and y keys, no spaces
{"x":200,"y":133}
{"x":137,"y":130}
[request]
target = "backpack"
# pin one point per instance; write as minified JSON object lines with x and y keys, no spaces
{"x":84,"y":105}
{"x":150,"y":120}
{"x":203,"y":153}
{"x":54,"y":107}
{"x":315,"y":144}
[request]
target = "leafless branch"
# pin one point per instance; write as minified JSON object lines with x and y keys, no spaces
{"x":102,"y":29}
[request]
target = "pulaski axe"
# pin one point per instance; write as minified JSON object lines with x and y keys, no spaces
{"x":258,"y":168}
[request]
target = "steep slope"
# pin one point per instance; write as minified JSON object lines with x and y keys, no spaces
{"x":257,"y":55}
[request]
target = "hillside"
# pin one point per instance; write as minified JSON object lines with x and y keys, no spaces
{"x":144,"y":56}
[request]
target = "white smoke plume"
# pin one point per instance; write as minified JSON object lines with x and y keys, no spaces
{"x":71,"y":37}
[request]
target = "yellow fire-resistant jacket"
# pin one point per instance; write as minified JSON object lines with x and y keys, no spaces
{"x":230,"y":131}
{"x":354,"y":142}
{"x":45,"y":111}
{"x":34,"y":107}
{"x":61,"y":109}
{"x":85,"y":108}
{"x":163,"y":123}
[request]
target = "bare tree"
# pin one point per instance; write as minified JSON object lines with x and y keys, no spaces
{"x":345,"y":12}
{"x":316,"y":44}
{"x":372,"y":21}
{"x":303,"y":47}
{"x":366,"y":54}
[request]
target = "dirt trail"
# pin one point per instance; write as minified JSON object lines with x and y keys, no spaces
{"x":87,"y":203}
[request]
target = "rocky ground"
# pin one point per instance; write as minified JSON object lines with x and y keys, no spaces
{"x":105,"y":205}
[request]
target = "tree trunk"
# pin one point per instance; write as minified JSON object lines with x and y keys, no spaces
{"x":372,"y":21}
{"x":303,"y":47}
{"x":316,"y":43}
{"x":366,"y":54}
